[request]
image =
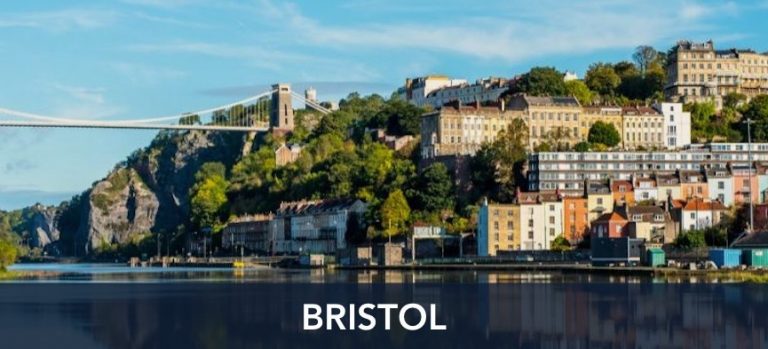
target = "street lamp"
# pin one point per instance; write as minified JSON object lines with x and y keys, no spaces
{"x":749,"y":122}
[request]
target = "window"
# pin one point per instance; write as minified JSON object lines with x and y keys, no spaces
{"x":551,"y":220}
{"x":530,"y":234}
{"x":599,"y":201}
{"x":720,"y":185}
{"x":510,"y":225}
{"x":551,"y":231}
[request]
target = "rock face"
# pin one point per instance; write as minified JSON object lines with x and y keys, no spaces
{"x":149,"y":191}
{"x":120,"y":206}
{"x":41,"y":226}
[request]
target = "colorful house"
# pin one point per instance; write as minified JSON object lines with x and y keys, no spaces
{"x":575,"y":218}
{"x":498,"y":228}
{"x":668,"y":186}
{"x":645,"y":189}
{"x":720,"y":185}
{"x":553,"y":223}
{"x":532,"y":222}
{"x":693,"y":184}
{"x":651,"y":223}
{"x":745,"y":184}
{"x":623,"y":192}
{"x":700,"y":214}
{"x":610,"y":225}
{"x":762,"y":182}
{"x":599,"y":199}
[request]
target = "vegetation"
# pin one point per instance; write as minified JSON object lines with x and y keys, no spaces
{"x":395,"y":213}
{"x":697,"y":238}
{"x":580,"y":90}
{"x":496,"y":168}
{"x":604,"y":133}
{"x":8,"y":254}
{"x":208,"y":196}
{"x":542,"y":81}
{"x":560,"y":243}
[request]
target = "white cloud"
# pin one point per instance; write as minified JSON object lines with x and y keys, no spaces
{"x":84,"y":103}
{"x":167,"y":4}
{"x":84,"y":94}
{"x":532,"y":30}
{"x":60,"y":20}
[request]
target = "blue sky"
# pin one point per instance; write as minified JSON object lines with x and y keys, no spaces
{"x":136,"y":58}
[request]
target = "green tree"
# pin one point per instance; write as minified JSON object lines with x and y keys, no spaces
{"x":644,"y":56}
{"x":702,"y":114}
{"x":542,"y":81}
{"x":399,"y":117}
{"x":690,"y":239}
{"x":496,"y":169}
{"x":733,"y":100}
{"x":604,"y":133}
{"x":560,"y":243}
{"x":8,"y":254}
{"x":208,"y":196}
{"x":602,"y":79}
{"x":394,"y":213}
{"x":757,"y":110}
{"x":432,"y":190}
{"x":625,"y":69}
{"x":582,"y":147}
{"x":579,"y":89}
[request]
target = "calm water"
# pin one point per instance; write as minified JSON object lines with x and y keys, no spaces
{"x":112,"y":306}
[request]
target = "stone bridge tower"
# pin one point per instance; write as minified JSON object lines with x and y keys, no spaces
{"x":281,"y":111}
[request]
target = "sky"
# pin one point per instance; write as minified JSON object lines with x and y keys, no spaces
{"x":142,"y":58}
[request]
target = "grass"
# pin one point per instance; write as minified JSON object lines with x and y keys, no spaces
{"x":9,"y":275}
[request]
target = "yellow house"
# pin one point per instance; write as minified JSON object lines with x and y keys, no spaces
{"x":499,"y":227}
{"x":599,"y":200}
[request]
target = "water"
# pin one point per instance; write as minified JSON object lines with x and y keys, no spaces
{"x":113,"y":306}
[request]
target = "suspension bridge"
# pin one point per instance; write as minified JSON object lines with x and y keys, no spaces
{"x":272,"y":109}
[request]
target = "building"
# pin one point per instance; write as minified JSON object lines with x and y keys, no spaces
{"x":677,"y":125}
{"x":693,"y":184}
{"x":599,"y":199}
{"x":720,"y":185}
{"x":553,"y":217}
{"x":698,"y":72}
{"x":461,"y":130}
{"x":698,"y":214}
{"x":651,"y":223}
{"x":287,"y":153}
{"x":623,"y":192}
{"x":610,"y":225}
{"x":416,"y":90}
{"x":483,"y":90}
{"x":251,"y":232}
{"x":645,"y":189}
{"x":611,"y":115}
{"x":575,"y":218}
{"x":318,"y":226}
{"x":643,"y":128}
{"x":567,"y":171}
{"x":498,"y":228}
{"x":745,"y":184}
{"x":668,"y":187}
{"x":550,"y":119}
{"x":533,"y":228}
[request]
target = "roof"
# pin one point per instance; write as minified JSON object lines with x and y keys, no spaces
{"x":667,"y":179}
{"x":315,"y":206}
{"x":252,"y":218}
{"x":616,"y":185}
{"x":528,"y":198}
{"x":689,"y":176}
{"x":523,"y":100}
{"x":756,"y":239}
{"x":598,"y":188}
{"x":640,"y":111}
{"x":614,"y":216}
{"x":646,"y":213}
{"x":701,"y":205}
{"x":718,"y":173}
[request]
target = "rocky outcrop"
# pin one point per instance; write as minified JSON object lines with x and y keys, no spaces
{"x":41,"y":226}
{"x":120,"y":206}
{"x":149,"y":191}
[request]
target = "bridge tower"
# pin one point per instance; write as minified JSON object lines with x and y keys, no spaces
{"x":281,"y":113}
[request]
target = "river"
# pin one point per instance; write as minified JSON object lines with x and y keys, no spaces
{"x":113,"y":306}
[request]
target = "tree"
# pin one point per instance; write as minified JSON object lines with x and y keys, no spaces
{"x":757,"y":110}
{"x":432,"y":190}
{"x":602,"y":78}
{"x":542,"y":81}
{"x":644,"y":56}
{"x":582,"y":147}
{"x":690,"y":239}
{"x":208,"y":196}
{"x":560,"y":243}
{"x":733,"y":100}
{"x":625,"y":69}
{"x":604,"y":133}
{"x":8,"y":254}
{"x":394,"y":213}
{"x":579,"y":89}
{"x":399,"y":117}
{"x":496,"y":169}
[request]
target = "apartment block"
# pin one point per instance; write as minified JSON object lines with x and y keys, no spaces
{"x":698,"y":72}
{"x":417,"y":89}
{"x":498,"y":228}
{"x":550,"y":119}
{"x":643,"y":128}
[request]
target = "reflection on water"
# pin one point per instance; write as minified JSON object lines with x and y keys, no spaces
{"x":262,"y":309}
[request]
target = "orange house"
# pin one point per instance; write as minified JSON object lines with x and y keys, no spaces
{"x":610,"y":225}
{"x":623,"y":193}
{"x":742,"y":186}
{"x":575,"y":218}
{"x":693,"y":185}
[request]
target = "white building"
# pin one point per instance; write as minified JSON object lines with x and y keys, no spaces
{"x":314,"y":226}
{"x":645,"y":189}
{"x":416,"y":90}
{"x":698,"y":214}
{"x":483,"y":90}
{"x":720,"y":185}
{"x":540,"y":220}
{"x":677,"y":125}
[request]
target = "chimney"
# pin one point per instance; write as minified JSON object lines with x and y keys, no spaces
{"x":502,"y":104}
